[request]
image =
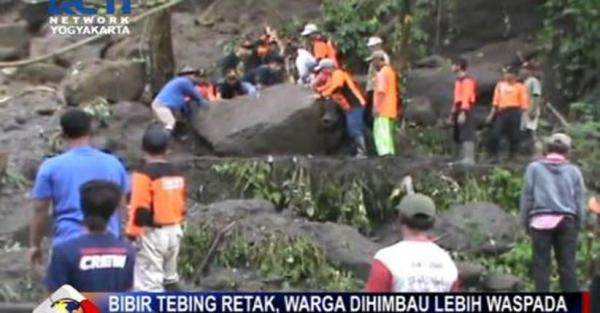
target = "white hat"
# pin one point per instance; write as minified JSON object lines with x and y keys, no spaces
{"x":309,"y":29}
{"x":325,"y":64}
{"x":561,"y":139}
{"x":373,"y":41}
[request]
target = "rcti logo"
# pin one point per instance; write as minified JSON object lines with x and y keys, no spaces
{"x":78,"y":7}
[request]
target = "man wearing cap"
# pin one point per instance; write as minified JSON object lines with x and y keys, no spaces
{"x":156,"y":213}
{"x":173,"y":98}
{"x":552,"y":212}
{"x":386,"y":97}
{"x":374,"y":44}
{"x":340,"y":87}
{"x":415,"y":264}
{"x":510,"y":101}
{"x":322,"y":48}
{"x":532,"y":116}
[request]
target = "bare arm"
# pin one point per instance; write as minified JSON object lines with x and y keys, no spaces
{"x":37,"y":228}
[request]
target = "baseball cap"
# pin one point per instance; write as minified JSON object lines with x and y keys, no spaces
{"x":310,"y":29}
{"x":373,"y":41}
{"x":561,"y":139}
{"x":416,"y":204}
{"x":325,"y":64}
{"x":594,"y":205}
{"x":188,"y":70}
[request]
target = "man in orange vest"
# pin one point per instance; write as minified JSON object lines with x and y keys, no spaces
{"x":341,"y":88}
{"x":385,"y":104}
{"x":156,"y":214}
{"x":206,"y":87}
{"x":322,"y":48}
{"x":465,"y":97}
{"x":510,"y":101}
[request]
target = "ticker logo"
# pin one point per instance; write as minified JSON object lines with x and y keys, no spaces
{"x":78,"y":7}
{"x":67,"y":300}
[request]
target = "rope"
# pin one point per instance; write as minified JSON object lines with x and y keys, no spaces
{"x":86,"y":41}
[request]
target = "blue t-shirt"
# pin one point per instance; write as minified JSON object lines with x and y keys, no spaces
{"x":173,"y":95}
{"x":92,"y":263}
{"x":59,"y":179}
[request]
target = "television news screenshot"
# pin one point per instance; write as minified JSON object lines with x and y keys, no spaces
{"x":299,"y":156}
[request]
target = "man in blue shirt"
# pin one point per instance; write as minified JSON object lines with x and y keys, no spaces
{"x":59,"y":179}
{"x":174,"y":97}
{"x":96,"y":261}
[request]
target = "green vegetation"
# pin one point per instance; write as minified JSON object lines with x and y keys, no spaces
{"x":295,"y":262}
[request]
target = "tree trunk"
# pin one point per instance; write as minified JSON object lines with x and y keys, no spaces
{"x":161,"y":56}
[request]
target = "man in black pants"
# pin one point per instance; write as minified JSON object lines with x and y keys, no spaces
{"x":510,"y":101}
{"x":552,"y":212}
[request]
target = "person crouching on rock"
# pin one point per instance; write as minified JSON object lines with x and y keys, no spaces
{"x":233,"y":86}
{"x":342,"y":89}
{"x":156,"y":213}
{"x":172,"y":100}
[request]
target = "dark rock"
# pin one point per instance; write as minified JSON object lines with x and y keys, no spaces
{"x":10,"y":127}
{"x":471,"y":274}
{"x":14,"y":34}
{"x":496,"y":282}
{"x":282,"y":120}
{"x":46,"y":111}
{"x":34,"y":14}
{"x":112,"y":80}
{"x":11,"y":53}
{"x":477,"y":228}
{"x":345,"y":246}
{"x":125,"y":48}
{"x":420,"y":111}
{"x":432,"y":61}
{"x":51,"y":42}
{"x":21,"y":120}
{"x":41,"y":73}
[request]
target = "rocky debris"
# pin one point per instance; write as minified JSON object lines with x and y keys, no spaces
{"x":496,"y":282}
{"x":471,"y":274}
{"x":49,"y":42}
{"x":34,"y":13}
{"x":14,"y":40}
{"x":283,"y":119}
{"x":12,"y":265}
{"x":125,"y":48}
{"x":4,"y":154}
{"x":478,"y":228}
{"x":40,"y":73}
{"x":420,"y":111}
{"x":257,"y":220}
{"x":112,"y":80}
{"x":229,"y":279}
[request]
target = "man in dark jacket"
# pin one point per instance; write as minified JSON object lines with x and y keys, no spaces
{"x":552,"y":211}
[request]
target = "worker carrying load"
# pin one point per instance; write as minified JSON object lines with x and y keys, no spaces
{"x":465,"y":97}
{"x":322,"y":47}
{"x":172,"y":100}
{"x":342,"y":89}
{"x":510,"y":101}
{"x":206,"y":87}
{"x":386,"y":104}
{"x":156,"y":213}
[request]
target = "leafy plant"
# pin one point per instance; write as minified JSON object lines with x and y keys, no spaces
{"x":99,"y":109}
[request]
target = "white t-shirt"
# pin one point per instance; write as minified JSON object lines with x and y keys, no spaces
{"x":417,"y":266}
{"x":304,"y":63}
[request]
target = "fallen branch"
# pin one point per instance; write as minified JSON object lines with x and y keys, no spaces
{"x":221,"y":234}
{"x":559,"y":116}
{"x":86,"y":41}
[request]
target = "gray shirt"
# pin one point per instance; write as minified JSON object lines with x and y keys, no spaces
{"x":550,"y":188}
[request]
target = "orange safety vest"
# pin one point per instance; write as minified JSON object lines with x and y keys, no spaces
{"x":465,"y":94}
{"x":208,"y":91}
{"x":157,"y":198}
{"x":508,"y":95}
{"x":342,"y":88}
{"x":325,"y":49}
{"x":386,"y":96}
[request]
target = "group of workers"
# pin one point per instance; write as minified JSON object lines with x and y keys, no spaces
{"x":86,"y":191}
{"x":85,"y":188}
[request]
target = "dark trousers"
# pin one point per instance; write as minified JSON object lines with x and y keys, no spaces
{"x":595,"y":293}
{"x":563,"y":240}
{"x":507,"y":123}
{"x":354,"y":122}
{"x":368,"y":113}
{"x":466,"y":131}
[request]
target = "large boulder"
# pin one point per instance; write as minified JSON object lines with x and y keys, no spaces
{"x":113,"y":80}
{"x":283,"y":119}
{"x":498,"y":282}
{"x":477,"y":228}
{"x":420,"y":110}
{"x":14,"y":40}
{"x":49,"y":42}
{"x":40,"y":73}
